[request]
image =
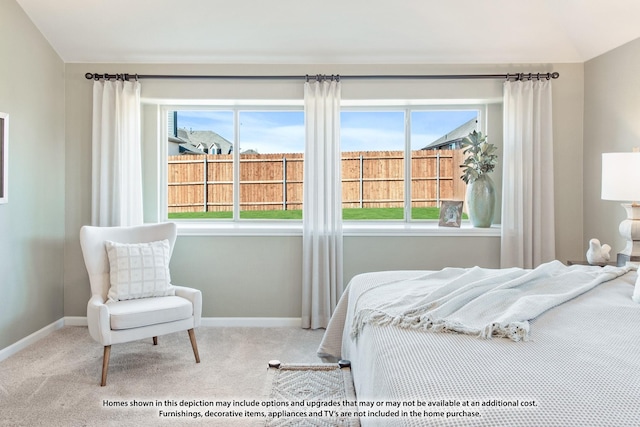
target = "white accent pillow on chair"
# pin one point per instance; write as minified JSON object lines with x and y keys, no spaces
{"x":139,"y":270}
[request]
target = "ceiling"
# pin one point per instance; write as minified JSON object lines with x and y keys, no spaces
{"x":334,"y":31}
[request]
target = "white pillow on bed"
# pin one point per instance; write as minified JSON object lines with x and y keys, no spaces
{"x":139,"y":270}
{"x":636,"y":290}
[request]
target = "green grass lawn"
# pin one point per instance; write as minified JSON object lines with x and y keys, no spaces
{"x":347,"y":214}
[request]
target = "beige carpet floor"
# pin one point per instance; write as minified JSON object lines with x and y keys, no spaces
{"x":56,"y":381}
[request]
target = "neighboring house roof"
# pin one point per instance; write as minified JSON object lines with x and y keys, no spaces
{"x":452,"y":139}
{"x":185,"y":146}
{"x":189,"y":148}
{"x":176,"y":140}
{"x":201,"y":142}
{"x":208,"y":139}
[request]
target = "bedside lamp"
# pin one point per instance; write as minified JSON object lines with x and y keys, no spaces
{"x":621,"y":182}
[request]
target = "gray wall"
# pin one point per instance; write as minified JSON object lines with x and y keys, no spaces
{"x":32,"y":223}
{"x":42,"y":275}
{"x":260,"y":276}
{"x":612,"y":124}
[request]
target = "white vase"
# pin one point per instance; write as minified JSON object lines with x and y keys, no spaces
{"x":481,"y":201}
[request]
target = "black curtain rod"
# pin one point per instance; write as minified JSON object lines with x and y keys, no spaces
{"x":508,"y":76}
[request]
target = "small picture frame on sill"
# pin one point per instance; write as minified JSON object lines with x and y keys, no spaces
{"x":450,"y":213}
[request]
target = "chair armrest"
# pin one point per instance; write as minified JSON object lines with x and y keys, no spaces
{"x":98,"y":320}
{"x":195,"y":296}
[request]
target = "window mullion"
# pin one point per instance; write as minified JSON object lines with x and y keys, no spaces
{"x":407,"y":165}
{"x":236,"y":165}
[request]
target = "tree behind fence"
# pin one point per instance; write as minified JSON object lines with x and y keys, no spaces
{"x":370,"y":179}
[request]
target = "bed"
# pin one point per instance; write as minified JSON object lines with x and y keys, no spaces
{"x":576,"y":364}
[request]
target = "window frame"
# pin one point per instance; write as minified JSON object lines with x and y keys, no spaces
{"x":480,"y":107}
{"x":235,"y":109}
{"x":270,"y":227}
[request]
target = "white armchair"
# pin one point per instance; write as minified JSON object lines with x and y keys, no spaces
{"x":114,"y":321}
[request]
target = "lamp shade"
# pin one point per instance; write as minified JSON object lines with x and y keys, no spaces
{"x":621,"y":177}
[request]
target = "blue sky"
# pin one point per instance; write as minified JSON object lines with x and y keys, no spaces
{"x":283,"y":131}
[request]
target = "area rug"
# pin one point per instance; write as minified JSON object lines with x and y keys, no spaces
{"x":310,"y":395}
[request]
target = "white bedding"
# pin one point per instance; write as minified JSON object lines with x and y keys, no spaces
{"x":581,"y":364}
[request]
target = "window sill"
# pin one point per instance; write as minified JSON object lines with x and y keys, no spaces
{"x":351,"y":228}
{"x":418,"y":229}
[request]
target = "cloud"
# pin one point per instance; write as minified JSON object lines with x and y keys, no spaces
{"x":371,"y":139}
{"x":220,"y":122}
{"x":283,"y":131}
{"x":278,"y":139}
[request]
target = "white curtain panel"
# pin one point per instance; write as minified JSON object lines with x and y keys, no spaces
{"x":116,"y":154}
{"x":322,"y":283}
{"x":528,"y":226}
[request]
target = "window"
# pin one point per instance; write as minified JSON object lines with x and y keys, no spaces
{"x":375,"y":147}
{"x":271,"y":158}
{"x":241,"y":163}
{"x":202,"y":181}
{"x":436,"y":155}
{"x":373,"y":171}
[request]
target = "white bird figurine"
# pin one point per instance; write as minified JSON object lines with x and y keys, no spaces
{"x":598,"y":254}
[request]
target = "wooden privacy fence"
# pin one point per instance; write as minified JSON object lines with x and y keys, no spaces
{"x":370,"y":179}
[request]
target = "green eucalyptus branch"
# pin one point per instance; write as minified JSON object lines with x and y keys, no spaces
{"x":481,"y":157}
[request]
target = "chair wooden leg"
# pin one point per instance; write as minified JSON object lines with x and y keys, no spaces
{"x":105,"y":364}
{"x":192,"y":337}
{"x":155,"y":340}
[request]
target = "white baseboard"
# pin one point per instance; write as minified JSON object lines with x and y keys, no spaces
{"x":250,"y":322}
{"x":28,"y":340}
